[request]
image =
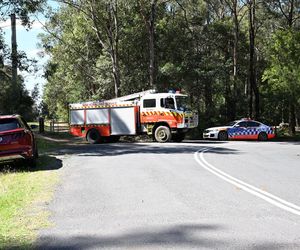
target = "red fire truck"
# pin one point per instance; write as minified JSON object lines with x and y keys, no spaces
{"x":164,"y":116}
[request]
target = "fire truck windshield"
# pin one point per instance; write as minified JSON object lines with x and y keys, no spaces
{"x":182,"y":103}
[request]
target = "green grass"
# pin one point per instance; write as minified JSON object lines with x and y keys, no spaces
{"x":59,"y":140}
{"x":23,"y":195}
{"x":60,"y":135}
{"x":48,"y":146}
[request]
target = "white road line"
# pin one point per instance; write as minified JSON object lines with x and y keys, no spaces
{"x":272,"y":199}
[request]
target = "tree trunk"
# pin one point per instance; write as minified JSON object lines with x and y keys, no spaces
{"x":149,"y":19}
{"x":14,"y":60}
{"x":112,"y":33}
{"x":152,"y":75}
{"x":208,"y":103}
{"x":292,"y":118}
{"x":230,"y":114}
{"x":253,"y":88}
{"x":230,"y":104}
{"x":235,"y":58}
{"x":116,"y":66}
{"x":291,"y":14}
{"x":250,"y":93}
{"x":292,"y":111}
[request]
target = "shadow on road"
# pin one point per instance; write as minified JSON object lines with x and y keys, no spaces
{"x":191,"y":236}
{"x":137,"y":148}
{"x":183,"y":236}
{"x":44,"y":163}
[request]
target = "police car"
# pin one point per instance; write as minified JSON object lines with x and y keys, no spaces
{"x":244,"y":129}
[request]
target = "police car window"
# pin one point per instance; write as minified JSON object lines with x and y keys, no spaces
{"x":253,"y":124}
{"x":242,"y":124}
{"x":149,"y":103}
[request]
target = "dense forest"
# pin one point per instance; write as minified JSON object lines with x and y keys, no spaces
{"x":234,"y":58}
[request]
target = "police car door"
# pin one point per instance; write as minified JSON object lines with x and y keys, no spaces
{"x":238,"y":131}
{"x":253,"y":130}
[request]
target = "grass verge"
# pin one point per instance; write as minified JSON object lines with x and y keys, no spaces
{"x":23,"y":195}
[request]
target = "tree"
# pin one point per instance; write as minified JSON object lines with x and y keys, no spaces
{"x":287,"y":16}
{"x":103,"y":18}
{"x":283,"y":74}
{"x":80,"y":69}
{"x":212,"y":50}
{"x":25,"y":102}
{"x":15,"y":9}
{"x":148,"y":12}
{"x":236,"y":11}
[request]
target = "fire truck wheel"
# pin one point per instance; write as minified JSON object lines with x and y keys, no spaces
{"x":93,"y":136}
{"x":162,"y":134}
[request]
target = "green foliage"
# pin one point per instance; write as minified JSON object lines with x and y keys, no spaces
{"x":25,"y":106}
{"x":194,"y":51}
{"x":22,"y":9}
{"x":282,"y":76}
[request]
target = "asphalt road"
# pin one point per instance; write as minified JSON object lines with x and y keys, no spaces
{"x":191,"y":195}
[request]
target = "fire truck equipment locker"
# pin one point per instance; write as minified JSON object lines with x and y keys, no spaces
{"x":77,"y":117}
{"x":97,"y":116}
{"x":123,"y":121}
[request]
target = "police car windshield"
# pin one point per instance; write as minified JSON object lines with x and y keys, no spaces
{"x":182,"y":103}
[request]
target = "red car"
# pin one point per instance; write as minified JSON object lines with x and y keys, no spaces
{"x":17,"y":141}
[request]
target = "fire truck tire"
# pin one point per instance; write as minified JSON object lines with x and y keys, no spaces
{"x":93,"y":136}
{"x":162,"y":134}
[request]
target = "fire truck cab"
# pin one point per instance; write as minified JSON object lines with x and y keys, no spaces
{"x":164,"y":116}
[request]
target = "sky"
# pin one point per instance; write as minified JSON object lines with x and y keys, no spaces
{"x":27,"y":41}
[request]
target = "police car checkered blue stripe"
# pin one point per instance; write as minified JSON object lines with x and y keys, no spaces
{"x":252,"y":131}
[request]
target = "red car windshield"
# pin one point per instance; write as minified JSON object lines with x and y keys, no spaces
{"x":9,"y":124}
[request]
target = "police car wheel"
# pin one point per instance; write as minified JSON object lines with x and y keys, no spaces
{"x":93,"y":136}
{"x":262,"y":136}
{"x":162,"y":134}
{"x":222,"y":136}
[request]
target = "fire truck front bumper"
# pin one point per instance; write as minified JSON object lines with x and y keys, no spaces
{"x":190,"y":120}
